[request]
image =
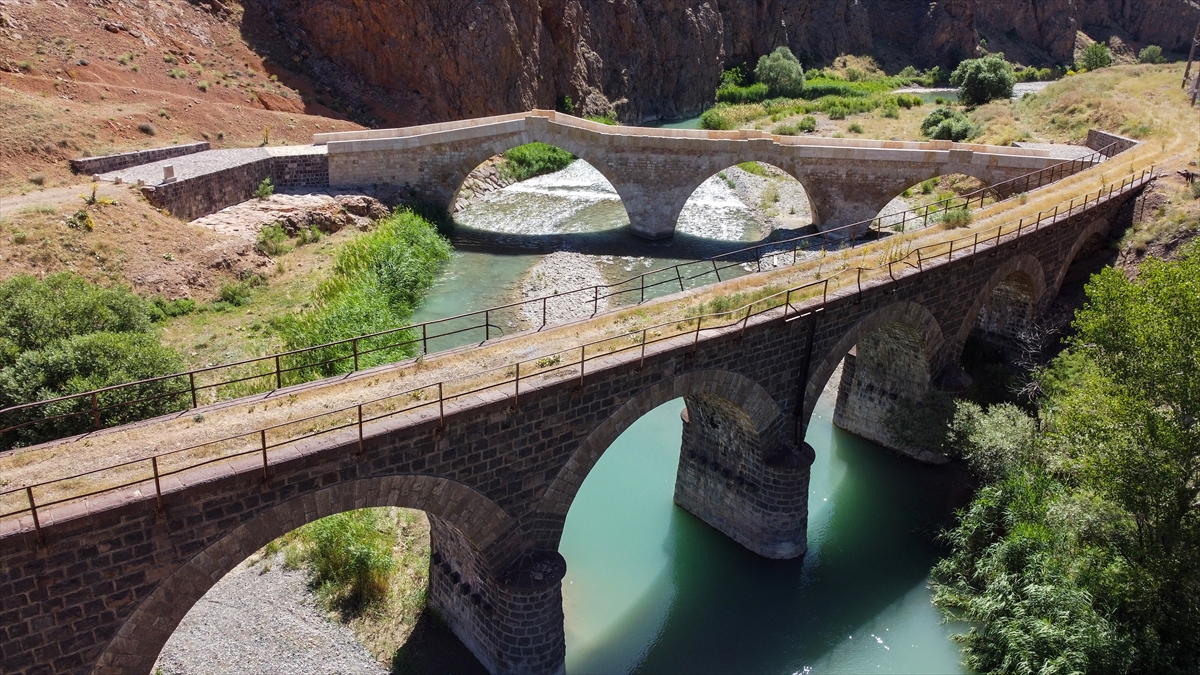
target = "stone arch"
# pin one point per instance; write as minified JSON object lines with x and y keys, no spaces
{"x":1096,"y":231}
{"x":498,"y":145}
{"x":762,"y":411}
{"x":909,"y":314}
{"x":1021,"y":274}
{"x":478,"y":522}
{"x":897,"y":187}
{"x":693,"y":183}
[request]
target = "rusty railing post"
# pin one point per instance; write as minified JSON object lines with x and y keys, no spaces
{"x":354,"y":344}
{"x":263,"y":437}
{"x":37,"y":524}
{"x":517,"y":388}
{"x":642,"y":362}
{"x":582,"y":364}
{"x":441,"y":408}
{"x":361,"y":448}
{"x":487,"y":325}
{"x":95,"y":410}
{"x":157,"y":484}
{"x":278,"y":374}
{"x":192,"y":384}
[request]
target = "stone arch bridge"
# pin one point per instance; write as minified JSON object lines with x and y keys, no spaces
{"x":655,"y":171}
{"x":99,"y":587}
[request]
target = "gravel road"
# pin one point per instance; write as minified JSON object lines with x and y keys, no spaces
{"x":263,"y":623}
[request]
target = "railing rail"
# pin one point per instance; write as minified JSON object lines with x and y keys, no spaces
{"x":789,"y":304}
{"x":274,"y":370}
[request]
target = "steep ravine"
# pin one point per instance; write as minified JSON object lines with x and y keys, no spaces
{"x":410,"y":61}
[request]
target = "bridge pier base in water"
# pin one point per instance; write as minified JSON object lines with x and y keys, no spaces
{"x":749,"y":485}
{"x":511,"y":621}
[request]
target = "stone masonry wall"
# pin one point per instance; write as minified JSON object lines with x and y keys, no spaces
{"x":113,"y":577}
{"x":752,"y":488}
{"x":90,"y":166}
{"x":1097,"y":139}
{"x":200,"y":196}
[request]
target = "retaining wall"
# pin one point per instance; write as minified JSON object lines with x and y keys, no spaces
{"x":94,"y":165}
{"x":202,"y":195}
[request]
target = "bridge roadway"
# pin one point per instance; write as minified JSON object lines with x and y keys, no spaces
{"x":99,"y":584}
{"x":655,"y":171}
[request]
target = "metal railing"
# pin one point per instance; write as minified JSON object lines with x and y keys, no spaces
{"x":132,"y":401}
{"x":428,"y":400}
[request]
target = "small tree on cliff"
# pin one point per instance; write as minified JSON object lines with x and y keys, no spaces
{"x":1095,"y":56}
{"x":781,"y":72}
{"x":983,"y":80}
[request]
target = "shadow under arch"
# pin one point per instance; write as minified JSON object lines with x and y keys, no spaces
{"x":760,"y":408}
{"x":784,"y":199}
{"x":1094,"y":236}
{"x":1030,"y":279}
{"x":476,"y":519}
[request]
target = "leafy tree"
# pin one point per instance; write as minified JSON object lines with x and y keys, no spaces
{"x":1082,"y":551}
{"x":944,"y":124}
{"x":1095,"y":56}
{"x":1151,"y":54}
{"x":781,"y":72}
{"x":984,"y":79}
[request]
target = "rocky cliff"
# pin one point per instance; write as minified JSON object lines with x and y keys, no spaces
{"x":408,"y":61}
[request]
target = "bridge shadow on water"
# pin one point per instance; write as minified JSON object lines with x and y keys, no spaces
{"x":718,"y":608}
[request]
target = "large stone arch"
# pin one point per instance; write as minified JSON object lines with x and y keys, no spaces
{"x":906,"y":313}
{"x":688,"y":185}
{"x":763,"y":412}
{"x":1099,"y":227}
{"x":478,"y":521}
{"x":894,"y":188}
{"x":1024,"y":266}
{"x":533,"y":132}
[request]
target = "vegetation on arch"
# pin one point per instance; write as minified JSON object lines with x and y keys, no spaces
{"x":1081,"y":551}
{"x":534,"y":159}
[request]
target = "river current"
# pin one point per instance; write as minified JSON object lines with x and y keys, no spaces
{"x":649,"y":587}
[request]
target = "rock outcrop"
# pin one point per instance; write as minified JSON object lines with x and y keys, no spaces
{"x":413,"y":61}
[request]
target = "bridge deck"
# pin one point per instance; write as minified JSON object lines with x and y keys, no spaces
{"x":473,"y":374}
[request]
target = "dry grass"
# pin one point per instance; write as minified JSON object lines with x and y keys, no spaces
{"x":467,"y":369}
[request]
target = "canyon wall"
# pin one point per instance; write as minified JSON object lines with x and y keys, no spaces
{"x":412,"y":61}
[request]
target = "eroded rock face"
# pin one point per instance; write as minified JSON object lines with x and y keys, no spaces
{"x":414,"y":61}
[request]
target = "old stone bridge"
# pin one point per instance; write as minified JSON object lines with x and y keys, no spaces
{"x":655,"y":171}
{"x":99,"y":588}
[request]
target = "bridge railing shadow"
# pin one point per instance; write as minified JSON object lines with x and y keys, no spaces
{"x":428,"y":402}
{"x":115,"y":405}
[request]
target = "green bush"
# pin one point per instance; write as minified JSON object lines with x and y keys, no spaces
{"x":716,"y":120}
{"x":1151,"y":54}
{"x":753,"y":168}
{"x":855,"y":128}
{"x":786,"y":129}
{"x":608,"y":118}
{"x":781,"y":72}
{"x":808,"y":123}
{"x":1095,"y":56}
{"x":265,"y":189}
{"x":891,"y":111}
{"x":955,"y":218}
{"x":173,"y":308}
{"x":272,"y":240}
{"x":351,"y":558}
{"x":982,"y":80}
{"x":837,"y":112}
{"x":377,"y":281}
{"x":944,"y":124}
{"x":738,"y":94}
{"x":534,"y":159}
{"x":236,"y":293}
{"x":63,"y":335}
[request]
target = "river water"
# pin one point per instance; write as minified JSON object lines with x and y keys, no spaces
{"x":649,"y":587}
